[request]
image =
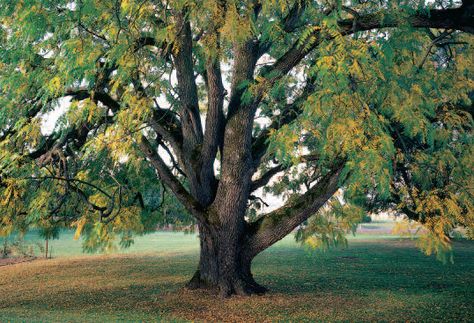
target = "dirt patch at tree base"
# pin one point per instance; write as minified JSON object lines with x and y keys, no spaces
{"x":16,"y":260}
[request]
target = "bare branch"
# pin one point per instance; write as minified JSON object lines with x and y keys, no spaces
{"x":266,"y":177}
{"x":57,"y":178}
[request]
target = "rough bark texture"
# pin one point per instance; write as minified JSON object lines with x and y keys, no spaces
{"x":224,"y":264}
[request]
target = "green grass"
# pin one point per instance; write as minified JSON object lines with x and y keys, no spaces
{"x":373,"y":279}
{"x":165,"y":242}
{"x":158,"y":242}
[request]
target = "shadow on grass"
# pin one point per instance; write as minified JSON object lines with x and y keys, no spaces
{"x":363,"y":266}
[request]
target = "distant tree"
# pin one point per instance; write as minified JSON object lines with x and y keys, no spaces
{"x":49,"y":231}
{"x":5,"y":248}
{"x":207,"y":102}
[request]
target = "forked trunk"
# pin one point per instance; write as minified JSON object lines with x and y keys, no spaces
{"x":229,"y":243}
{"x":223,"y":264}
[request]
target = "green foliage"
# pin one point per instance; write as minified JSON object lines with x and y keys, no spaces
{"x":404,"y":130}
{"x":330,"y":227}
{"x":391,"y":105}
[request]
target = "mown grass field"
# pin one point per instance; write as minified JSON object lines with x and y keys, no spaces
{"x":377,"y":277}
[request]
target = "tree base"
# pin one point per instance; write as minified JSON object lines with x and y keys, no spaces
{"x":239,"y":285}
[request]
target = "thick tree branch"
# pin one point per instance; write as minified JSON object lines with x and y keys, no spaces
{"x":246,"y":57}
{"x":461,"y":18}
{"x":275,"y":225}
{"x":215,"y":119}
{"x":143,"y":42}
{"x":236,"y":155}
{"x":78,"y":135}
{"x":214,"y":133}
{"x":167,"y":126}
{"x":187,"y":89}
{"x":171,"y":181}
{"x":215,"y":114}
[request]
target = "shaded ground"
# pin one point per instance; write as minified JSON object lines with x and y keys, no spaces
{"x":371,"y":280}
{"x":15,"y":260}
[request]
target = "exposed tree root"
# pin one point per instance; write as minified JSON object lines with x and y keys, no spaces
{"x":228,"y":287}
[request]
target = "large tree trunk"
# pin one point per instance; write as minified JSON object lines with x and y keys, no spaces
{"x":224,"y":264}
{"x":229,"y":243}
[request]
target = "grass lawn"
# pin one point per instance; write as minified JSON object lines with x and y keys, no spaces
{"x":375,"y":278}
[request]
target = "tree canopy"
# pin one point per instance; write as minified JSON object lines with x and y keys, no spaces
{"x":179,"y":111}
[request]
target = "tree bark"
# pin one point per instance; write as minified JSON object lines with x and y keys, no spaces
{"x":224,"y":264}
{"x":229,"y":243}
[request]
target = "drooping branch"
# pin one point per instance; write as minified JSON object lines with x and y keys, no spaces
{"x":289,"y":24}
{"x":70,"y":180}
{"x":460,"y":18}
{"x":288,"y":114}
{"x":30,"y":114}
{"x":72,"y":186}
{"x":37,"y":106}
